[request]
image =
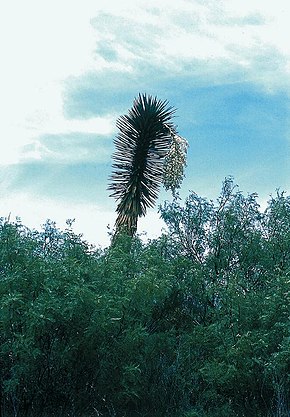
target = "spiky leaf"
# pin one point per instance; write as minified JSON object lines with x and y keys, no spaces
{"x":141,"y":145}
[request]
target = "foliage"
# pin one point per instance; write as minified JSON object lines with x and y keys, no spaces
{"x":146,"y":141}
{"x":192,"y":324}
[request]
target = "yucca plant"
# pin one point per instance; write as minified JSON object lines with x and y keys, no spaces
{"x":145,"y":137}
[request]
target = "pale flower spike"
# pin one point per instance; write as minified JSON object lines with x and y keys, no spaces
{"x":175,"y":162}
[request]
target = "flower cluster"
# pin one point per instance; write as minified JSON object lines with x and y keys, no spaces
{"x":174,"y":163}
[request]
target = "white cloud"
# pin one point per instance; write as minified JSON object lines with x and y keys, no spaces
{"x":42,"y":44}
{"x":245,"y":36}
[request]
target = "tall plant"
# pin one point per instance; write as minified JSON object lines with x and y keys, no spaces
{"x":148,"y":151}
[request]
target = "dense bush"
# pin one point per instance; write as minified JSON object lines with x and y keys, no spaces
{"x":193,"y":324}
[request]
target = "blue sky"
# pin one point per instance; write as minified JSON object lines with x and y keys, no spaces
{"x":69,"y":69}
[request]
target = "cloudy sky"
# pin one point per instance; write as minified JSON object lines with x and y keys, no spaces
{"x":70,"y":68}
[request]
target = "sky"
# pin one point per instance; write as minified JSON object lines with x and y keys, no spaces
{"x":69,"y":69}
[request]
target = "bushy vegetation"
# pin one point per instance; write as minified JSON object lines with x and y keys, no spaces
{"x":193,"y":324}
